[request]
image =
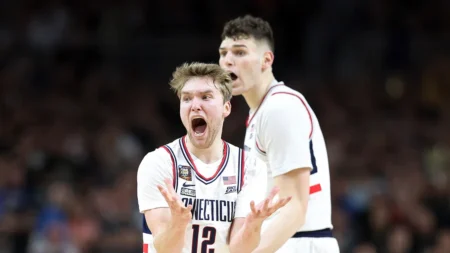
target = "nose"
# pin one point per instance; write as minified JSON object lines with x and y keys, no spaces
{"x":227,"y":60}
{"x":196,"y":105}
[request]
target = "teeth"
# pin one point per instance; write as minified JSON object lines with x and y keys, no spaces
{"x":198,"y":134}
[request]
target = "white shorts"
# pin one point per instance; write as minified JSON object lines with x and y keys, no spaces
{"x":310,"y":245}
{"x":148,"y":244}
{"x":293,"y":245}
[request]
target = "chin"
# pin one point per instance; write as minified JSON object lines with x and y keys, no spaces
{"x":199,"y":142}
{"x":237,"y":91}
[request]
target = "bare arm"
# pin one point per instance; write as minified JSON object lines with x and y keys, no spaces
{"x":166,"y":215}
{"x":245,"y":233}
{"x":168,"y":236}
{"x":287,"y":129}
{"x":244,"y":237}
{"x":296,"y":184}
{"x":168,"y":224}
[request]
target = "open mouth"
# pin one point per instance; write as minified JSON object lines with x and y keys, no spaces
{"x":233,"y":76}
{"x":199,"y":126}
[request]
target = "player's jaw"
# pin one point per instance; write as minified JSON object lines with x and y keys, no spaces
{"x":242,"y":83}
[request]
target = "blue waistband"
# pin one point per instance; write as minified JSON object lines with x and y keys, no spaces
{"x":314,"y":234}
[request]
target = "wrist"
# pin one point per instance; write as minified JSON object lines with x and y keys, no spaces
{"x":176,"y":225}
{"x":253,"y":222}
{"x":253,"y":225}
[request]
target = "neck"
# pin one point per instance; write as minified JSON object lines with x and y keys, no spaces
{"x":254,"y":96}
{"x":207,"y":155}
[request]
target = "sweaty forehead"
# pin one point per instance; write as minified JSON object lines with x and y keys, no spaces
{"x":199,"y":85}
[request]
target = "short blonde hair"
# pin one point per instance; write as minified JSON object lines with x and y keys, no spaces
{"x":185,"y":72}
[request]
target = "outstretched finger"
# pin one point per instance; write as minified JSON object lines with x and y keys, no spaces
{"x":281,"y":202}
{"x":168,"y":197}
{"x":285,"y":201}
{"x":266,"y":203}
{"x":171,"y":190}
{"x":252,"y":207}
{"x":169,"y":186}
{"x":273,"y":193}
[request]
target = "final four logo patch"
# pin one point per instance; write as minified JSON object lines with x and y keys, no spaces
{"x":184,"y":172}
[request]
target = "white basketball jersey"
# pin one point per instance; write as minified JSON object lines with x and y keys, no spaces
{"x":216,"y":199}
{"x":302,"y":145}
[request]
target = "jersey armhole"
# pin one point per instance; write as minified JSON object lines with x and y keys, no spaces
{"x":146,"y":229}
{"x":174,"y":166}
{"x":241,"y":169}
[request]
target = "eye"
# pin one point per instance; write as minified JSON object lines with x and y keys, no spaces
{"x":206,"y":97}
{"x":223,"y":53}
{"x":185,"y":99}
{"x":240,"y":53}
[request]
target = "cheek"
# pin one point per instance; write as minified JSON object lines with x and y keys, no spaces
{"x":256,"y":63}
{"x":184,"y":114}
{"x":214,"y":112}
{"x":250,"y":64}
{"x":221,"y":62}
{"x":244,"y":64}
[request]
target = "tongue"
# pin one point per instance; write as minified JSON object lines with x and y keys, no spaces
{"x":200,"y":129}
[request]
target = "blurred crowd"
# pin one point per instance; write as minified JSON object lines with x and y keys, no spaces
{"x":84,"y":96}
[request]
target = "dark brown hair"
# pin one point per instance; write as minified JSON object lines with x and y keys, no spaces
{"x":249,"y":26}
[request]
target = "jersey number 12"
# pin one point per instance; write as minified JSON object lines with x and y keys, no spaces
{"x":208,"y":235}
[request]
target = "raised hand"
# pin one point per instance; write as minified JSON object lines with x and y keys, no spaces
{"x":267,"y":207}
{"x":180,"y":213}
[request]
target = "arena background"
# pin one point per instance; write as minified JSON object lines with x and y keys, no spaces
{"x":84,"y":96}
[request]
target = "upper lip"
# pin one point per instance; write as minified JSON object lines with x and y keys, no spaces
{"x":197,"y":117}
{"x":232,"y":74}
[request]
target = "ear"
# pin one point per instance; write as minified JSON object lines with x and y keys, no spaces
{"x":267,"y":60}
{"x":227,"y":109}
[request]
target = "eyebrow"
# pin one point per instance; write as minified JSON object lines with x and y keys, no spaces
{"x":201,"y":92}
{"x":234,"y":46}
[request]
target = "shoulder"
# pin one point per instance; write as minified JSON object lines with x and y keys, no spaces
{"x":159,"y":158}
{"x":285,"y":98}
{"x":284,"y":103}
{"x":160,"y":154}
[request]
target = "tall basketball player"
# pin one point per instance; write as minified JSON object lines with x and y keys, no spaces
{"x":283,"y":131}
